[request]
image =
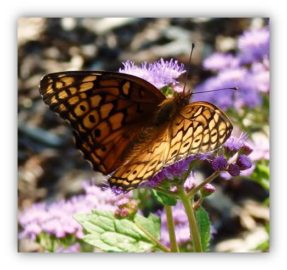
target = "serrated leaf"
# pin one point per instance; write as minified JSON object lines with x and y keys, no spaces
{"x":163,"y":198}
{"x":109,"y":234}
{"x":150,"y":224}
{"x":204,"y":224}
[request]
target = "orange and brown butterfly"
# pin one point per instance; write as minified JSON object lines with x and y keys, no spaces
{"x":127,"y":128}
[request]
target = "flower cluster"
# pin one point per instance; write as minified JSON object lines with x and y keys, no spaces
{"x":160,"y":73}
{"x":56,"y":219}
{"x":248,"y":70}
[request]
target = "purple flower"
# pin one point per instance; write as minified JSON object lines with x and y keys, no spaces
{"x":234,"y":144}
{"x":75,"y":248}
{"x":160,"y":73}
{"x":252,"y":80}
{"x":246,"y":149}
{"x":254,"y":45}
{"x":261,"y":76}
{"x":246,"y":95}
{"x":233,"y":169}
{"x":57,"y":218}
{"x":219,"y":163}
{"x":207,"y":189}
{"x":190,"y":182}
{"x":244,"y":162}
{"x":220,"y":61}
{"x":260,"y":146}
{"x":170,"y":172}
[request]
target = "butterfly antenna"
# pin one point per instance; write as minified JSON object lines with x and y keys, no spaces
{"x":188,"y":72}
{"x":220,"y":89}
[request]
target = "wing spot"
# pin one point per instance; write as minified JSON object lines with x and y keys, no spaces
{"x":89,"y":78}
{"x":174,"y":153}
{"x":126,"y":88}
{"x":63,"y":95}
{"x":207,"y":114}
{"x":116,"y":120}
{"x":135,"y":182}
{"x":73,"y":100}
{"x":73,"y":90}
{"x":186,"y":144}
{"x":95,"y":100}
{"x":67,"y":80}
{"x":92,"y":118}
{"x":211,"y":124}
{"x":206,"y":139}
{"x":59,"y":85}
{"x":105,"y":110}
{"x":198,"y":112}
{"x":86,"y":86}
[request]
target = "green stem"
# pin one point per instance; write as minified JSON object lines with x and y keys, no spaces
{"x":153,"y":239}
{"x":171,"y":229}
{"x":202,"y":184}
{"x":194,"y":232}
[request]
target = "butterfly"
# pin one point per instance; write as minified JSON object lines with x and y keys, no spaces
{"x":127,"y":128}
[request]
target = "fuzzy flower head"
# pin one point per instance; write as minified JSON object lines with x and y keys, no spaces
{"x":56,"y":219}
{"x":220,"y":61}
{"x":160,"y":73}
{"x":254,"y":45}
{"x":247,"y":95}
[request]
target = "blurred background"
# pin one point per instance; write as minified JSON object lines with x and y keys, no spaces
{"x":229,"y":52}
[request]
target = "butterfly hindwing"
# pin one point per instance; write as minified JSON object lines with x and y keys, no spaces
{"x":197,"y":128}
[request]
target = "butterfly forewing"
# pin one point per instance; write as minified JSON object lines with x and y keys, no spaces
{"x":105,"y":110}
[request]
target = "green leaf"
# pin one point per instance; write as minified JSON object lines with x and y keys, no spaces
{"x":203,"y":222}
{"x":150,"y":225}
{"x":261,"y":174}
{"x":107,"y":233}
{"x":164,"y":198}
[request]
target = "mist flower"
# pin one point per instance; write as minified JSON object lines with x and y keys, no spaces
{"x":254,"y":45}
{"x":233,"y":169}
{"x":244,"y":162}
{"x":247,"y":69}
{"x":160,"y":73}
{"x":56,"y":218}
{"x":219,"y":163}
{"x":220,"y":61}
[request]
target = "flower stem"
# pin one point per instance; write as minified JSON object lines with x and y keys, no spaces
{"x":153,"y":239}
{"x":194,"y":232}
{"x":202,"y":184}
{"x":171,"y":229}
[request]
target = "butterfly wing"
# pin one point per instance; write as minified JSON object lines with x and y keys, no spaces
{"x":105,"y":110}
{"x":197,"y":128}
